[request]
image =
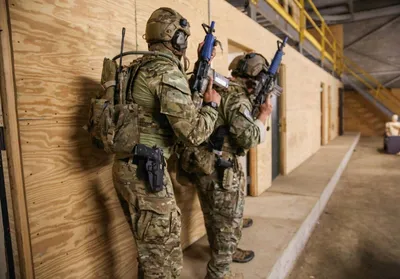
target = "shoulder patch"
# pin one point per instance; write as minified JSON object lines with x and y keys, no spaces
{"x":246,"y":113}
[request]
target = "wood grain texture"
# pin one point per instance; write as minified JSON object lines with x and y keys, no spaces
{"x":282,"y":117}
{"x":10,"y":209}
{"x":324,"y":129}
{"x":253,"y":172}
{"x":78,"y":229}
{"x":15,"y":166}
{"x":361,"y":116}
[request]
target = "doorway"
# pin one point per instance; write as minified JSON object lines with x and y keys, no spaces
{"x":278,"y":128}
{"x":275,"y":125}
{"x":323,"y":114}
{"x":341,"y":111}
{"x":329,"y":114}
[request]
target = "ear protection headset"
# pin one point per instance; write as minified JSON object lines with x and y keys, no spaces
{"x":243,"y":65}
{"x":179,"y":40}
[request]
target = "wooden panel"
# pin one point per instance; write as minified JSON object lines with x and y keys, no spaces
{"x":70,"y":191}
{"x":78,"y":229}
{"x":10,"y":209}
{"x":362,"y":116}
{"x":77,"y":226}
{"x":337,"y":32}
{"x":9,"y":107}
{"x":253,"y":172}
{"x":329,"y":114}
{"x":282,"y":117}
{"x":323,"y":115}
{"x":291,"y":8}
{"x":11,"y":215}
{"x":59,"y":50}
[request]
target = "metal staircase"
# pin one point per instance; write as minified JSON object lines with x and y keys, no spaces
{"x":325,"y":51}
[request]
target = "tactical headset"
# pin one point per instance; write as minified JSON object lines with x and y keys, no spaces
{"x":179,"y":40}
{"x":243,"y":68}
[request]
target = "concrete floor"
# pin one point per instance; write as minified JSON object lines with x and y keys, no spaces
{"x":358,"y":235}
{"x":283,"y":216}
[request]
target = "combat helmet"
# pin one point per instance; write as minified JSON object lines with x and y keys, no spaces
{"x":167,"y":25}
{"x":235,"y":61}
{"x":249,"y":65}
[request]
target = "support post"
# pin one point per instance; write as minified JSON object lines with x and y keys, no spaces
{"x":302,"y":26}
{"x":9,"y":106}
{"x":322,"y":43}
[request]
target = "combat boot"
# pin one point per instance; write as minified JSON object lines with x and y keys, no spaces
{"x":242,"y":256}
{"x":247,"y":222}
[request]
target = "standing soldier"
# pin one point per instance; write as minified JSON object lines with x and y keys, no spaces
{"x":166,"y":115}
{"x":219,"y":178}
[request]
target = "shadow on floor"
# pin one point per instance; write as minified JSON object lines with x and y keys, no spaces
{"x":373,"y":263}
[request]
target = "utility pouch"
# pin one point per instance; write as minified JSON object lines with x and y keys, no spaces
{"x":227,"y":179}
{"x":198,"y":160}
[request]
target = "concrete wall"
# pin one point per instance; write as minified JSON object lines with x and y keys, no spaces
{"x":303,"y":80}
{"x":77,"y":227}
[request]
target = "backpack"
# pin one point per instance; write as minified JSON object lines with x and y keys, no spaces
{"x":113,"y":124}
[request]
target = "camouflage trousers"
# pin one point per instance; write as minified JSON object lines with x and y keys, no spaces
{"x":221,"y":197}
{"x":155,"y":221}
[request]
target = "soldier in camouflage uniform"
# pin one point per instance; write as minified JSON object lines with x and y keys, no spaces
{"x":166,"y":114}
{"x":221,"y":193}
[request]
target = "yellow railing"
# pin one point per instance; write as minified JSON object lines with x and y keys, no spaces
{"x":327,"y":45}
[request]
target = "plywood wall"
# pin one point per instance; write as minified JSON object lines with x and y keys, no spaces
{"x":77,"y":226}
{"x":361,"y":116}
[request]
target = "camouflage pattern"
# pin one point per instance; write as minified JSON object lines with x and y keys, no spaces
{"x":221,"y":194}
{"x":222,"y":205}
{"x":235,"y":111}
{"x":166,"y":114}
{"x":162,"y":25}
{"x":155,"y":221}
{"x":167,"y":111}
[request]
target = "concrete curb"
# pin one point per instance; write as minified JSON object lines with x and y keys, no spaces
{"x":287,"y":260}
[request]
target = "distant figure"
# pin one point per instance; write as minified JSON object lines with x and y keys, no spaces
{"x":393,"y":128}
{"x":392,"y":136}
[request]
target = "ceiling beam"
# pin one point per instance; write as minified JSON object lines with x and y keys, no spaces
{"x":368,"y":34}
{"x":391,"y":81}
{"x":331,"y":10}
{"x":383,"y":73}
{"x":374,"y":58}
{"x":363,"y":15}
{"x":351,"y":8}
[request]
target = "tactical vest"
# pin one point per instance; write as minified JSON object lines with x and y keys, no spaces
{"x":222,"y":124}
{"x":116,"y":121}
